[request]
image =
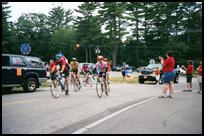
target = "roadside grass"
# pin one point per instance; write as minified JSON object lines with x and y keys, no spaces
{"x":46,"y":84}
{"x":120,"y":80}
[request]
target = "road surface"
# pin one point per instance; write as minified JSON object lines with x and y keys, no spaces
{"x":39,"y":112}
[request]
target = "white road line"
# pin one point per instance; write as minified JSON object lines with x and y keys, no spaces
{"x":82,"y":130}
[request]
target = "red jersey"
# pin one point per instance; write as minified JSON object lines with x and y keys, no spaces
{"x":85,"y":67}
{"x":189,"y":69}
{"x":63,"y":61}
{"x":53,"y":65}
{"x":168,"y":65}
{"x":200,"y":70}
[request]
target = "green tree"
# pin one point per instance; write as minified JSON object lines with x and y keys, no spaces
{"x":9,"y":41}
{"x":88,"y":29}
{"x":58,"y":18}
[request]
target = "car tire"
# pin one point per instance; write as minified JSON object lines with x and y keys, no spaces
{"x":141,"y":81}
{"x":30,"y":85}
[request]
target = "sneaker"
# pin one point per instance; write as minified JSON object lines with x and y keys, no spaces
{"x":170,"y":96}
{"x":185,"y":90}
{"x":69,"y":92}
{"x":162,"y":96}
{"x":190,"y":90}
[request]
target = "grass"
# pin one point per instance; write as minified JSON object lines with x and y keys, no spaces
{"x":120,"y":80}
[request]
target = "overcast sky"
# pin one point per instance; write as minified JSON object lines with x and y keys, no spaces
{"x":18,"y":8}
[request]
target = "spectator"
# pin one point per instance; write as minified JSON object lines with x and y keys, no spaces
{"x":157,"y":73}
{"x":189,"y":75}
{"x":123,"y":71}
{"x":199,"y":69}
{"x":168,"y":74}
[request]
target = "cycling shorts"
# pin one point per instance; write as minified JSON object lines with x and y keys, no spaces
{"x":102,"y":73}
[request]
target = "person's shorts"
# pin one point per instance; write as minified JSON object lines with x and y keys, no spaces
{"x":75,"y":70}
{"x":199,"y":79}
{"x":102,"y":73}
{"x":53,"y":76}
{"x":168,"y":77}
{"x":66,"y":74}
{"x":189,"y":78}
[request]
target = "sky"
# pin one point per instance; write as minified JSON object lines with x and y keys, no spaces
{"x":18,"y":8}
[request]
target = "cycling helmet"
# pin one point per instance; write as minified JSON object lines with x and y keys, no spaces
{"x":74,"y":59}
{"x":58,"y":56}
{"x":100,"y":57}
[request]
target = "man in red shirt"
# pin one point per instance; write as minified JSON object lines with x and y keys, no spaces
{"x":168,"y":74}
{"x":64,"y":68}
{"x":189,"y":75}
{"x":199,"y":69}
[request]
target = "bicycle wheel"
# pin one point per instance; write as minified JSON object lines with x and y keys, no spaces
{"x":56,"y":91}
{"x":89,"y":81}
{"x":99,"y":89}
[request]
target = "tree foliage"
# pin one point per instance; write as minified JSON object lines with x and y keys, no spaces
{"x":131,"y":32}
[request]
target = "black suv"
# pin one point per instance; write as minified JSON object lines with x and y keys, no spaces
{"x":147,"y":74}
{"x":26,"y":71}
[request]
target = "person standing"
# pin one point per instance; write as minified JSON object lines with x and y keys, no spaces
{"x":199,"y":69}
{"x":189,"y":75}
{"x":168,"y":74}
{"x":157,"y":73}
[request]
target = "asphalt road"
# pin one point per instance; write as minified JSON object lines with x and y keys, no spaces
{"x":39,"y":112}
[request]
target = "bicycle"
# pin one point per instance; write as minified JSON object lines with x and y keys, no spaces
{"x":101,"y":87}
{"x":88,"y":80}
{"x":75,"y":83}
{"x":60,"y":86}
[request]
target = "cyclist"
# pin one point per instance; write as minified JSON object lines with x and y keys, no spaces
{"x":85,"y":70}
{"x":74,"y":68}
{"x":102,"y":67}
{"x":53,"y":71}
{"x":62,"y":61}
{"x":108,"y":68}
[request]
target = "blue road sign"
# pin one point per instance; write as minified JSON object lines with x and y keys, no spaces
{"x":25,"y":48}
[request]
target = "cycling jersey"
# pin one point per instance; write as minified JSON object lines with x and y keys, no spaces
{"x":85,"y":67}
{"x":63,"y":61}
{"x":102,"y":66}
{"x":74,"y":65}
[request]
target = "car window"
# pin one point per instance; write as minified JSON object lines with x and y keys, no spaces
{"x":5,"y":61}
{"x":17,"y":61}
{"x":152,"y":66}
{"x":35,"y":62}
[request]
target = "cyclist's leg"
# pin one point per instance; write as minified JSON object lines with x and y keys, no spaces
{"x":105,"y":80}
{"x":66,"y":73}
{"x":77,"y":76}
{"x":53,"y":78}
